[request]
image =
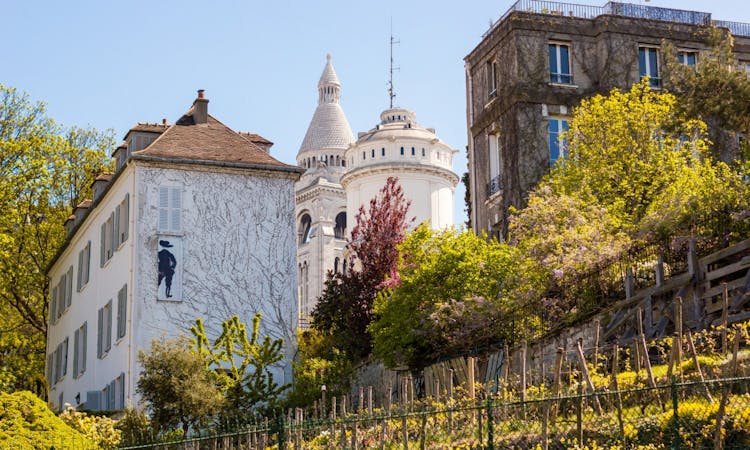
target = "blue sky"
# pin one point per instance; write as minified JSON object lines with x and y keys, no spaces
{"x":110,"y":64}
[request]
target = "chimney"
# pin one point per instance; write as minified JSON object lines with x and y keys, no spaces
{"x":200,"y":108}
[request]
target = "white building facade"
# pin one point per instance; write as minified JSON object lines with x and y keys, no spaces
{"x":196,"y":222}
{"x":342,"y":174}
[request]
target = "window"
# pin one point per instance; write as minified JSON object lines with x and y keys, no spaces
{"x":68,"y":287}
{"x":648,"y":64}
{"x":60,"y":360}
{"x":84,"y":262}
{"x":364,"y":155}
{"x":373,"y":153}
{"x":104,"y":330}
{"x":422,"y":152}
{"x":687,"y":57}
{"x":339,"y":231}
{"x":557,"y":146}
{"x":413,"y":152}
{"x":79,"y":350}
{"x":402,"y":151}
{"x":336,"y":265}
{"x":559,"y":63}
{"x":382,"y":151}
{"x":744,"y":66}
{"x":496,"y":164}
{"x":122,"y":308}
{"x":491,"y":79}
{"x":119,"y":390}
{"x":170,"y":209}
{"x":305,"y":224}
{"x":122,"y":213}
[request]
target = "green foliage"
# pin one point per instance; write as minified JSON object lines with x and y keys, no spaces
{"x":456,"y":292}
{"x":241,"y":366}
{"x":27,"y":422}
{"x":177,"y":386}
{"x":715,"y":91}
{"x":98,"y":429}
{"x":319,"y":364}
{"x":44,"y":172}
{"x":135,"y":427}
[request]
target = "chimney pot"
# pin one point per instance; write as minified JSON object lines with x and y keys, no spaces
{"x":201,"y":93}
{"x":164,"y":122}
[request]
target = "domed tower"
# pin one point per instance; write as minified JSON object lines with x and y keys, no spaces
{"x":320,"y":199}
{"x":399,"y":146}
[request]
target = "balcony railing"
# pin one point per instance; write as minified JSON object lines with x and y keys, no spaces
{"x":622,"y":9}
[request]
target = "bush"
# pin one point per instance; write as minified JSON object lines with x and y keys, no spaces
{"x":99,"y":429}
{"x":27,"y":422}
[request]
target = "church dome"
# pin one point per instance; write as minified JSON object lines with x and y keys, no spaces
{"x":329,"y":128}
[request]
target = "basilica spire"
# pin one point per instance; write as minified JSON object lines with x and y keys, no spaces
{"x":329,"y":87}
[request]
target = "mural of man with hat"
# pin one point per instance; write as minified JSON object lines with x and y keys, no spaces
{"x":167,"y":264}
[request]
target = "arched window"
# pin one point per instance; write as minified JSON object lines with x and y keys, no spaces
{"x":343,"y":267}
{"x":339,"y":231}
{"x":336,"y":265}
{"x":304,"y":229}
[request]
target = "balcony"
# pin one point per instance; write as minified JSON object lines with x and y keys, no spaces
{"x":494,"y":186}
{"x":622,"y":9}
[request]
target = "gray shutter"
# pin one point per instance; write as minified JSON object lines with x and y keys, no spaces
{"x":69,"y":288}
{"x":103,"y":247}
{"x":112,"y":397}
{"x":116,"y":229}
{"x":79,"y":275}
{"x":94,"y":400}
{"x":100,"y":333}
{"x":65,"y":357}
{"x":122,"y":297}
{"x":58,"y":355}
{"x":125,"y":223}
{"x":176,"y":211}
{"x":84,"y":344}
{"x":108,"y":328}
{"x":121,"y":400}
{"x":50,"y":366}
{"x":88,"y":263}
{"x":76,"y":355}
{"x":163,"y":209}
{"x":112,"y":235}
{"x":53,"y":306}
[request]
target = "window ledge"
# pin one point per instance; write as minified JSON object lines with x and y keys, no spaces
{"x":564,"y":85}
{"x":490,"y":102}
{"x":495,"y":198}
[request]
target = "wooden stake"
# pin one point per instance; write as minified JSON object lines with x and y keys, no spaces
{"x":470,"y":364}
{"x":597,"y":326}
{"x":724,"y":325}
{"x":587,"y":378}
{"x":691,"y":349}
{"x":369,"y":400}
{"x":556,"y":384}
{"x":616,"y":387}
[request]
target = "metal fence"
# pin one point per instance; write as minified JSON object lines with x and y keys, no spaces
{"x":696,"y":415}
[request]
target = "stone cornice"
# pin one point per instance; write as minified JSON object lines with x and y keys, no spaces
{"x":396,"y":168}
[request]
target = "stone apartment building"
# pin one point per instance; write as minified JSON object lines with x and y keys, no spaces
{"x":196,"y":221}
{"x":537,"y":62}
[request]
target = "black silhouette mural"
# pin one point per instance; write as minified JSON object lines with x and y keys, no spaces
{"x":169,"y":251}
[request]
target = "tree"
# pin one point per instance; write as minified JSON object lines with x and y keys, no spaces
{"x":344,"y":309}
{"x":177,"y":386}
{"x":715,"y":91}
{"x":242,"y":367}
{"x":456,"y":292}
{"x":44,"y":172}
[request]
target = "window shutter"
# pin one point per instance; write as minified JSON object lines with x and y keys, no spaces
{"x":50,"y":366}
{"x":122,"y":297}
{"x":84,"y":344}
{"x":125,"y":219}
{"x":112,"y":397}
{"x":76,"y":355}
{"x":60,"y":296}
{"x":116,"y":229}
{"x":122,"y":391}
{"x":69,"y":288}
{"x":58,"y":355}
{"x":87,"y":265}
{"x":163,"y":209}
{"x":103,"y":246}
{"x":94,"y":400}
{"x":108,"y":329}
{"x":112,"y":235}
{"x":105,"y":397}
{"x":53,"y":305}
{"x":176,"y":211}
{"x":100,"y":334}
{"x":79,"y":275}
{"x":65,"y":357}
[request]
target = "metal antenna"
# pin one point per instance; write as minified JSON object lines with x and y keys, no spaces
{"x":391,"y":93}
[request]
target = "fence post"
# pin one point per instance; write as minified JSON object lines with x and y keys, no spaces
{"x":490,"y":431}
{"x":280,"y":430}
{"x":675,"y":416}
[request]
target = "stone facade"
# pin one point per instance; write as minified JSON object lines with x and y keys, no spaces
{"x":515,"y":88}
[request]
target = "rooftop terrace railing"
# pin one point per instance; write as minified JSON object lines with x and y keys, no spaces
{"x":622,"y":9}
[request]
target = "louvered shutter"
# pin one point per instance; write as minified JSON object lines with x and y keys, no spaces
{"x":65,"y":357}
{"x":125,"y":219}
{"x":79,"y":275}
{"x":176,"y":209}
{"x":76,"y":355}
{"x":69,"y":288}
{"x":122,"y":297}
{"x":100,"y":334}
{"x":108,"y":328}
{"x":163,"y":208}
{"x":103,"y":247}
{"x":53,"y":306}
{"x":84,"y":344}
